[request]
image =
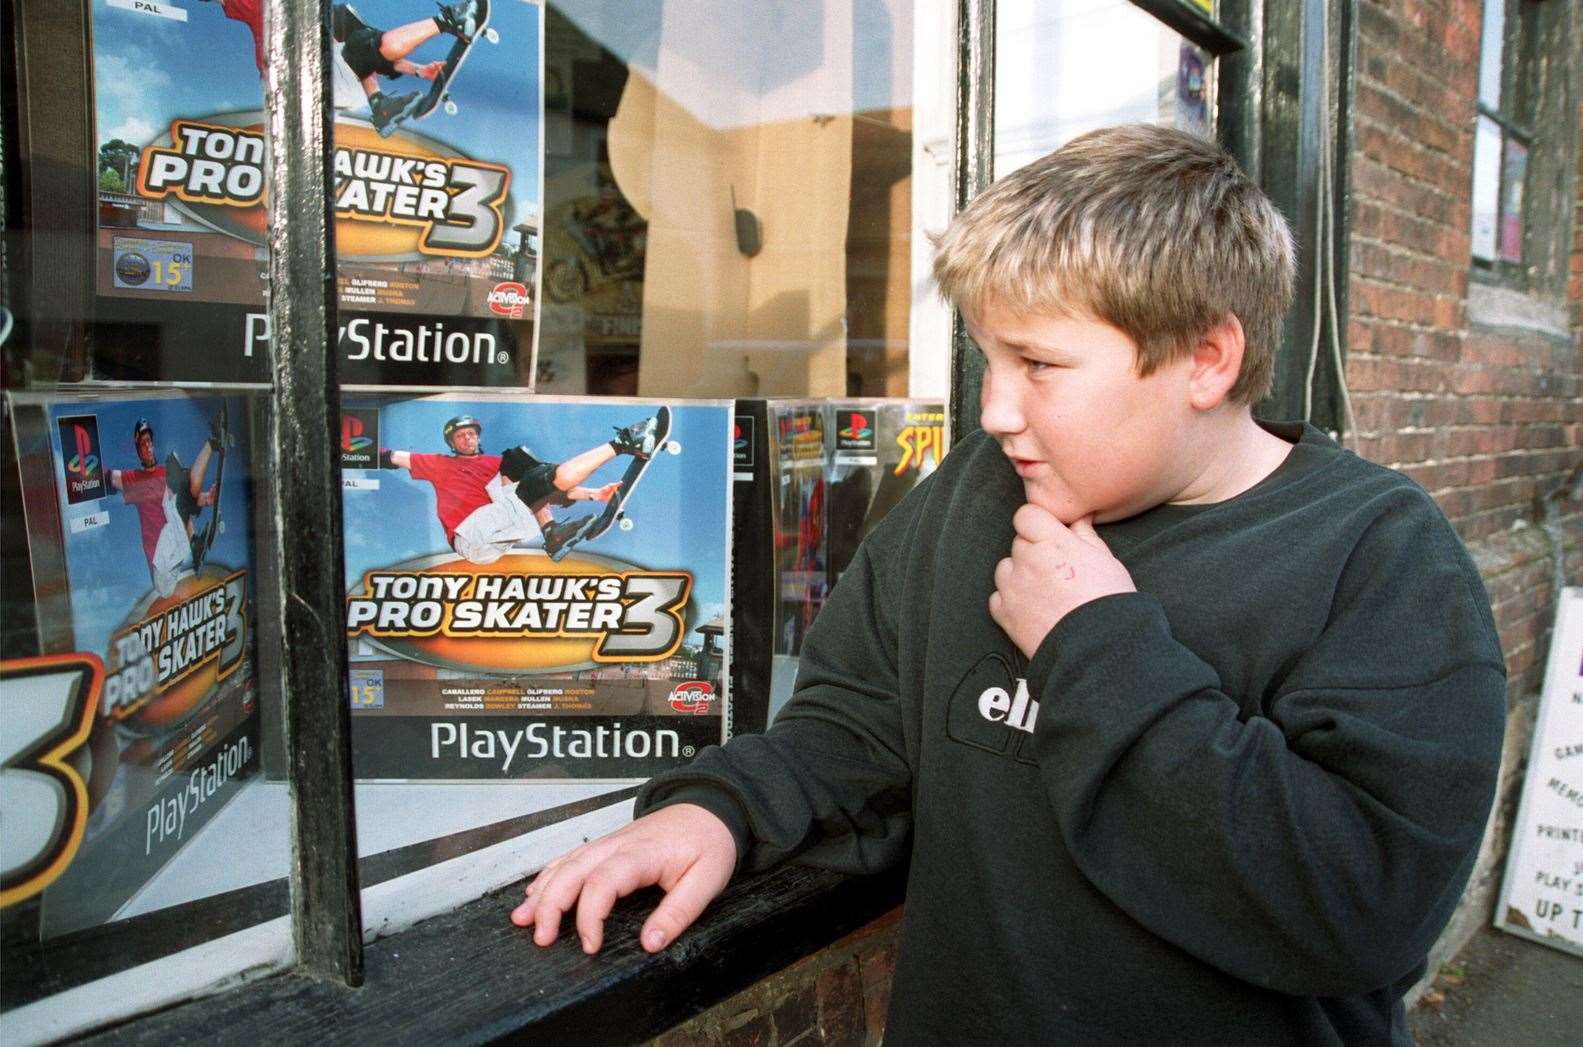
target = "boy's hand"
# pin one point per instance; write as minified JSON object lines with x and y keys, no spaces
{"x":1052,"y":570}
{"x":685,"y":849}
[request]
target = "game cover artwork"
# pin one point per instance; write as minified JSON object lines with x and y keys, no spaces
{"x":801,"y":520}
{"x":535,"y":588}
{"x":436,"y":176}
{"x":155,"y":521}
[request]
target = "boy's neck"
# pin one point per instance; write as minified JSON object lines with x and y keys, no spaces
{"x":1232,"y":454}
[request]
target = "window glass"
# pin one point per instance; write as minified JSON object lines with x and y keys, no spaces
{"x":145,"y":807}
{"x":1514,"y":171}
{"x":536,"y":603}
{"x":728,"y":198}
{"x":650,"y":208}
{"x":1490,"y":48}
{"x":1486,"y":186}
{"x":1501,"y":145}
{"x":1069,"y":66}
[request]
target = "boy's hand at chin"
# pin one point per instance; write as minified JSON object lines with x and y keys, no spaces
{"x":1053,"y":569}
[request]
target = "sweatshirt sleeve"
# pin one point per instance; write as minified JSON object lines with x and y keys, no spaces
{"x":830,"y":781}
{"x":1317,"y":847}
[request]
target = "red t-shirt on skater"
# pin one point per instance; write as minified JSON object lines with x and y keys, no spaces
{"x":251,"y":14}
{"x":458,"y":484}
{"x":144,"y":489}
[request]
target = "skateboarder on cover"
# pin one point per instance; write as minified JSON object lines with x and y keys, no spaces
{"x":489,"y":503}
{"x":370,"y":52}
{"x":166,"y":498}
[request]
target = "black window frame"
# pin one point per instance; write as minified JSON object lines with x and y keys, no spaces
{"x":1270,"y":114}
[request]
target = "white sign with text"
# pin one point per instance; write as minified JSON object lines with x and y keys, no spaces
{"x":1543,"y":894}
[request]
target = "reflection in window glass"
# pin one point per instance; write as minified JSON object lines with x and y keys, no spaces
{"x":1069,"y":66}
{"x":1490,"y":47}
{"x":727,"y":198}
{"x":1486,"y":186}
{"x":1514,"y":171}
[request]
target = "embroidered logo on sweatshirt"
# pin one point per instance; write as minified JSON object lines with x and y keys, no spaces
{"x":1016,"y":709}
{"x":992,"y":709}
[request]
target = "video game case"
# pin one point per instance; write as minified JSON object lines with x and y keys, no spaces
{"x":800,"y":545}
{"x":753,"y":591}
{"x":879,"y":451}
{"x":798,"y":493}
{"x":437,"y":191}
{"x":536,"y":588}
{"x":138,"y":516}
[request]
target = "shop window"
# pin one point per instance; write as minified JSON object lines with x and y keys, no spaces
{"x":1522,"y":148}
{"x":672,"y":203}
{"x":1503,"y":140}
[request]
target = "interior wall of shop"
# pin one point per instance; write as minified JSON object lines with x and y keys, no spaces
{"x":1475,"y":392}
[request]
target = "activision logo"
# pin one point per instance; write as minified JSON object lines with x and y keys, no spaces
{"x":509,"y":299}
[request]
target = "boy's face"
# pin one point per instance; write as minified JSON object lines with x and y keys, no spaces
{"x":1087,"y":434}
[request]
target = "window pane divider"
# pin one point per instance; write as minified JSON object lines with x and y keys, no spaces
{"x":1507,"y":123}
{"x":1191,"y":22}
{"x":305,"y":474}
{"x":973,"y":169}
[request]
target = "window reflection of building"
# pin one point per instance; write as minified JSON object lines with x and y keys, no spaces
{"x":661,"y":122}
{"x":1065,"y":67}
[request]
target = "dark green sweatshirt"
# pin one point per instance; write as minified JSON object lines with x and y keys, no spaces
{"x":1237,"y":806}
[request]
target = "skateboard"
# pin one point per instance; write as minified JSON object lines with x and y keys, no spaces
{"x":204,"y":540}
{"x":615,"y":509}
{"x":440,"y":90}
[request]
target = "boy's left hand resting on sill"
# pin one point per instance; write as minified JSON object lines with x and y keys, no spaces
{"x":684,"y":849}
{"x":1052,"y":570}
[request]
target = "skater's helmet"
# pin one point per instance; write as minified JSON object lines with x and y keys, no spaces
{"x":140,"y":427}
{"x":461,"y":421}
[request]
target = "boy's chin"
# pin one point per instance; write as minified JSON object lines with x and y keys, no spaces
{"x":1062,"y":506}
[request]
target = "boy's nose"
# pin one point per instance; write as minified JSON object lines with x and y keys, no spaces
{"x":999,"y":409}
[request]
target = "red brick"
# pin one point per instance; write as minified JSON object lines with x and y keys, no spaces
{"x":841,"y":1011}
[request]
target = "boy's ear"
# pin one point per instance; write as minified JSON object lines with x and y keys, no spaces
{"x":1217,"y":361}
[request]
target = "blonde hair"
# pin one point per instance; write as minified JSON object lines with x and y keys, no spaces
{"x":1150,"y":229}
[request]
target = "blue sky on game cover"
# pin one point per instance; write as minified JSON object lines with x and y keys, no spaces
{"x":106,"y":565}
{"x":149,"y":70}
{"x":679,"y":510}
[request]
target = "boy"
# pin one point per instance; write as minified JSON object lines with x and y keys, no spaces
{"x":1191,"y":724}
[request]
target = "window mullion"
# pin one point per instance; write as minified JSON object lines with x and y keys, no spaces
{"x":974,"y":170}
{"x":305,"y":474}
{"x":1523,"y":133}
{"x":1199,"y":28}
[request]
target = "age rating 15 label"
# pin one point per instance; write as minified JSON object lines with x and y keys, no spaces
{"x":139,"y":264}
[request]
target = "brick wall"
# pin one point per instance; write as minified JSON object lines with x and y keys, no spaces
{"x":1476,"y":393}
{"x":838,"y":996}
